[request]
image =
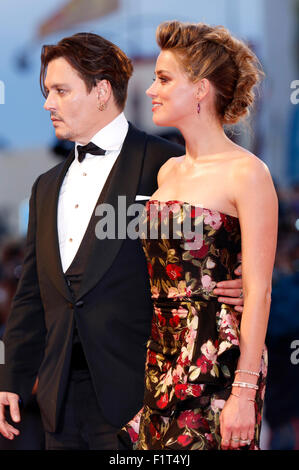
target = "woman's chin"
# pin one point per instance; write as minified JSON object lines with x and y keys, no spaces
{"x":160,"y":121}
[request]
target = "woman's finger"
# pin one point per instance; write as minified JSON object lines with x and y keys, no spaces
{"x":235,"y":440}
{"x":244,"y":439}
{"x":225,"y":437}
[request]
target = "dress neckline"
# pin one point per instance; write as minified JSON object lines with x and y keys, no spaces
{"x":172,"y":201}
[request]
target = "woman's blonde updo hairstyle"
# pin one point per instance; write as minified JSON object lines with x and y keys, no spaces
{"x":211,"y":52}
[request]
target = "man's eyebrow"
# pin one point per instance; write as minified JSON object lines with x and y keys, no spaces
{"x":57,"y":85}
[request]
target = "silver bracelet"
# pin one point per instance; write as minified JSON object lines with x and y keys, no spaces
{"x":247,"y":372}
{"x":245,"y":385}
{"x":238,"y":396}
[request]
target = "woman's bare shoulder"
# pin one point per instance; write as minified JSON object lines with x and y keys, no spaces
{"x":246,"y":165}
{"x":167,"y":168}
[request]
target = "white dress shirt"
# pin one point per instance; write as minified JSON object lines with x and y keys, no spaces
{"x":82,"y":186}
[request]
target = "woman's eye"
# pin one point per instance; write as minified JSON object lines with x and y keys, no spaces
{"x":162,"y":79}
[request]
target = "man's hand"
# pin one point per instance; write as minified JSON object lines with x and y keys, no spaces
{"x":11,"y":400}
{"x":231,"y":291}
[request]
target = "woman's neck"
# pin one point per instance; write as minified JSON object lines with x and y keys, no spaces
{"x":204,"y":137}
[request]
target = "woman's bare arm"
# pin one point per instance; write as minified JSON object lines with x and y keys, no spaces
{"x":257,"y":207}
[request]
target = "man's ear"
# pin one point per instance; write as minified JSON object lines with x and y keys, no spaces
{"x":103,"y":90}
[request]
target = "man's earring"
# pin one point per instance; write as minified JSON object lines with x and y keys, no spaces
{"x":102,"y":106}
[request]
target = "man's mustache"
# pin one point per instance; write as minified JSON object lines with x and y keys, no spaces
{"x":55,"y":116}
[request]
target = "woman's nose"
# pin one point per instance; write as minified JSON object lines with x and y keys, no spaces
{"x":151,"y":90}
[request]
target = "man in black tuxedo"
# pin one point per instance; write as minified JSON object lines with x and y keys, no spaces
{"x":82,"y":312}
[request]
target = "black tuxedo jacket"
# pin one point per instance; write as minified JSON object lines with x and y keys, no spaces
{"x":113,"y":309}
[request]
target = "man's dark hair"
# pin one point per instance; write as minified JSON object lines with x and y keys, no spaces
{"x":94,"y":58}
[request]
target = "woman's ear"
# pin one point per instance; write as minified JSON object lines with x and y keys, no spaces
{"x":203,"y":88}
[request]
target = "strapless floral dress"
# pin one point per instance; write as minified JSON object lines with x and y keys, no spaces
{"x":193,"y":348}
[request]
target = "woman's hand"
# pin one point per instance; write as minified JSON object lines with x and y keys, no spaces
{"x":237,"y":421}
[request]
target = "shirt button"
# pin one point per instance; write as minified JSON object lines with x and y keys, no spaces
{"x":70,"y":239}
{"x":76,"y":206}
{"x":84,"y":174}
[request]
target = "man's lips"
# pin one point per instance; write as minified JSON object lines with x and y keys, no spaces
{"x":55,"y":120}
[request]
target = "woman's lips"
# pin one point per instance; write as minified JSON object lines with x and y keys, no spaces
{"x":155,"y":105}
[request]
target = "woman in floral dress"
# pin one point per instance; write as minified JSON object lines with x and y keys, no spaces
{"x":206,"y":363}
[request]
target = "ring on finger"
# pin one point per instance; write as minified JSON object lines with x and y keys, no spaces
{"x":245,"y":441}
{"x":235,"y":439}
{"x":241,"y":294}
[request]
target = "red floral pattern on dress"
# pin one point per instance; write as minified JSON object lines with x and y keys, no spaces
{"x":194,"y":344}
{"x":173,"y":271}
{"x":184,"y":440}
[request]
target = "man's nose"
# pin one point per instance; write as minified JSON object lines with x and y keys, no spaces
{"x":49,"y":103}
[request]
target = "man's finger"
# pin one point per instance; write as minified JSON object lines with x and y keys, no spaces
{"x":14,"y":409}
{"x":13,"y":430}
{"x":3,"y":430}
{"x":231,"y":284}
{"x":238,"y":270}
{"x":230,"y":300}
{"x":228,"y":292}
{"x":2,"y":413}
{"x":8,"y":431}
{"x":239,"y":308}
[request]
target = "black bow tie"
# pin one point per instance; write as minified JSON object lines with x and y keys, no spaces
{"x":89,"y":148}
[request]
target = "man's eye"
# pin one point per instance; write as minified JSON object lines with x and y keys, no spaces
{"x":163,"y":79}
{"x":60,"y":91}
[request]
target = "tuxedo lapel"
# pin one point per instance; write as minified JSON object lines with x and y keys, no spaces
{"x":123,"y":181}
{"x":48,"y":234}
